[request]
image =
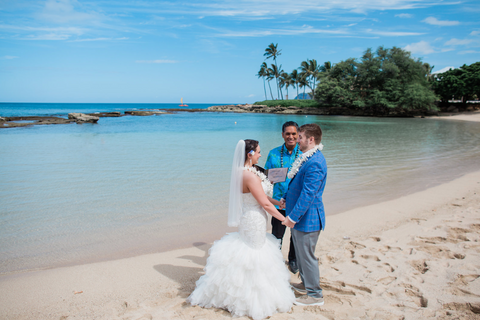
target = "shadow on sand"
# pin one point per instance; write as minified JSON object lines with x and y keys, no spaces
{"x":186,"y":276}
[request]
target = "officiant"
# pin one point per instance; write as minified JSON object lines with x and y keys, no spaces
{"x":283,"y":157}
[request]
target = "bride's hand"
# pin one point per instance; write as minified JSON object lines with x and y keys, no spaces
{"x":287,"y":222}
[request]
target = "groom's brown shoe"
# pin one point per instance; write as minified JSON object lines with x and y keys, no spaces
{"x":299,"y":287}
{"x":309,"y":301}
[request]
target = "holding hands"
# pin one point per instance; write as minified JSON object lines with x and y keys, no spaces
{"x":287,"y":222}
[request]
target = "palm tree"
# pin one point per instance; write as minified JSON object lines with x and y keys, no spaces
{"x":269,"y":78}
{"x":309,"y":69}
{"x":276,"y":73}
{"x":272,"y":52}
{"x":428,"y":71}
{"x":326,"y":67}
{"x":287,"y":81}
{"x":263,"y":74}
{"x":294,"y":77}
{"x":302,"y":82}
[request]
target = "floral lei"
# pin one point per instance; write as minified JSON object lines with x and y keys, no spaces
{"x":263,"y":177}
{"x":302,"y":159}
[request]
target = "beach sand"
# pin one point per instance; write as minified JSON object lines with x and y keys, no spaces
{"x":414,"y":257}
{"x":465,"y":116}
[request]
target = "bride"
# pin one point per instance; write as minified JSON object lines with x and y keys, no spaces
{"x":245,"y":272}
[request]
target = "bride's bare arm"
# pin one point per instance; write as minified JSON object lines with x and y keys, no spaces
{"x":252,"y":183}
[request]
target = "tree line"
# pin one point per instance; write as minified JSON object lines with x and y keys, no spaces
{"x":380,"y":80}
{"x":304,"y":77}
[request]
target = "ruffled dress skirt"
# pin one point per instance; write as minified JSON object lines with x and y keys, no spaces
{"x":246,"y":275}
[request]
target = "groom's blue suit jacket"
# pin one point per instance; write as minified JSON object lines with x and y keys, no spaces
{"x":304,"y":196}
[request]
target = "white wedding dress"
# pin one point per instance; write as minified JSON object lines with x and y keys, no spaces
{"x":245,"y":272}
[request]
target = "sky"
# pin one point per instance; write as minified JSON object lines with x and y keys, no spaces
{"x":207,"y":51}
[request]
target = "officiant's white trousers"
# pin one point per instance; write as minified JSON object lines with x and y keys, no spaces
{"x":305,"y":243}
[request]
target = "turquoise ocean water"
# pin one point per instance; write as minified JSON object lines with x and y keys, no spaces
{"x":133,"y":185}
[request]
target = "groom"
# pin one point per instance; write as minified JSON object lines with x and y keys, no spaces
{"x":305,"y":212}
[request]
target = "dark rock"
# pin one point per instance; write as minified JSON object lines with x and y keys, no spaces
{"x":144,"y":113}
{"x":452,"y":109}
{"x":11,"y":122}
{"x":105,"y":114}
{"x":82,"y":117}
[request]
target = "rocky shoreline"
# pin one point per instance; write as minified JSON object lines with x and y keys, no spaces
{"x":79,"y":118}
{"x":332,"y":111}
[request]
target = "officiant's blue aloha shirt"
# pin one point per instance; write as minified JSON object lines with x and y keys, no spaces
{"x":274,"y":161}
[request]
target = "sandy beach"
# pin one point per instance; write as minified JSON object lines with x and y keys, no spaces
{"x":414,"y":257}
{"x":465,"y":116}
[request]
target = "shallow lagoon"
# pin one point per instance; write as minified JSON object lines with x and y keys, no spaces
{"x":133,"y":185}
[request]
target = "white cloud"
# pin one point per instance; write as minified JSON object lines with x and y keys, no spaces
{"x":268,"y":8}
{"x":9,"y":57}
{"x":100,"y":39}
{"x":458,"y":42}
{"x":443,"y":70}
{"x":250,"y":96}
{"x":63,"y":11}
{"x":444,"y":23}
{"x":291,"y":32}
{"x":48,"y":37}
{"x":475,"y":33}
{"x":156,"y":61}
{"x":421,"y":47}
{"x":468,"y":52}
{"x":404,"y":15}
{"x":394,"y":33}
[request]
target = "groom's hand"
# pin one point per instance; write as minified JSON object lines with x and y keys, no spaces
{"x":287,"y":222}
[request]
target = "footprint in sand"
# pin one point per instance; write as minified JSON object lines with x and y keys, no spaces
{"x":415,"y":295}
{"x":386,"y":280}
{"x":475,"y":226}
{"x":464,"y":279}
{"x":417,"y":220}
{"x":355,"y":245}
{"x":389,"y":249}
{"x":474,"y":308}
{"x":337,"y":287}
{"x":440,"y":252}
{"x":387,"y":267}
{"x":370,"y":257}
{"x":419,"y":265}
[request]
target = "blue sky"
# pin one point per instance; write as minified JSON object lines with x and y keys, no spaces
{"x":208,"y":51}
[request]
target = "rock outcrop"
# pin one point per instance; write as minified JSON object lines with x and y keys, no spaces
{"x":105,"y":114}
{"x":82,"y":117}
{"x":144,"y":113}
{"x":249,"y":108}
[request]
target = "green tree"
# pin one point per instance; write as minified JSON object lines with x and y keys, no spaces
{"x":286,"y":81}
{"x":309,"y":70}
{"x":463,"y":83}
{"x":272,"y":52}
{"x":262,"y":73}
{"x":381,"y":80}
{"x":294,"y":76}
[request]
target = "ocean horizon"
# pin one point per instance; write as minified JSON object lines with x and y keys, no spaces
{"x":79,"y":193}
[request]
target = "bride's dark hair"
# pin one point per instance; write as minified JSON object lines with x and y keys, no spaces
{"x":249,"y":146}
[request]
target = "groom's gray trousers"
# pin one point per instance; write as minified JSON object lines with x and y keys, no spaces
{"x":305,"y":243}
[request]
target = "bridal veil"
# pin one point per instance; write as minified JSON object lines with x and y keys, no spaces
{"x":236,"y":185}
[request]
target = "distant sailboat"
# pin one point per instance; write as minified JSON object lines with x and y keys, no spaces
{"x":182,"y":105}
